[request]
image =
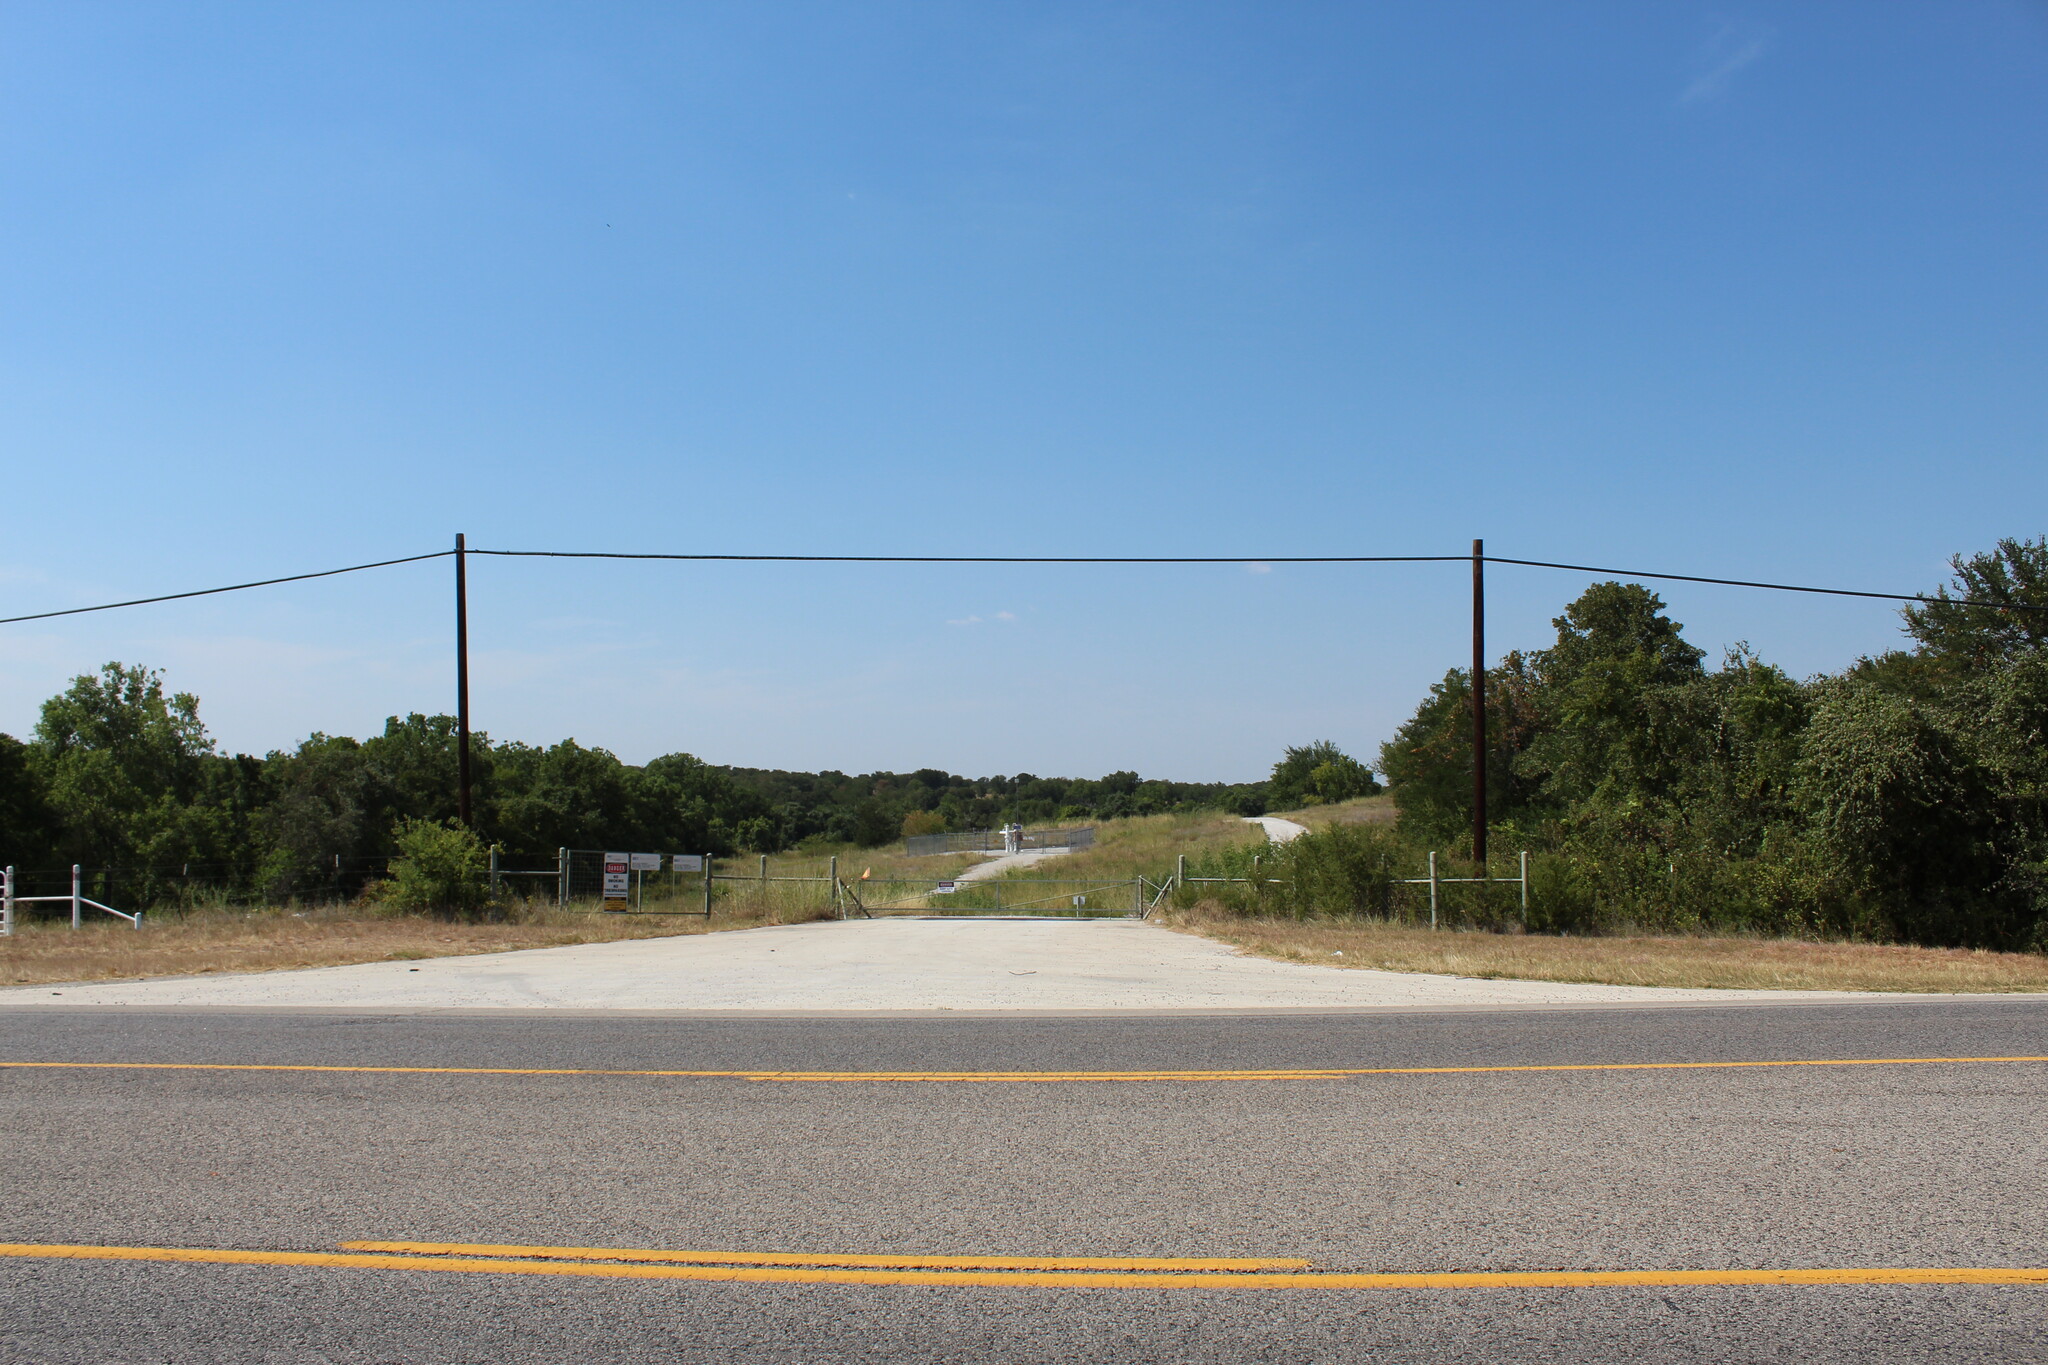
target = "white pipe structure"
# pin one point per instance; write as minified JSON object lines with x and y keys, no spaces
{"x":77,"y":899}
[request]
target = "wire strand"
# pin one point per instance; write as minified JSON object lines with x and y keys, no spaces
{"x":1043,"y":559}
{"x":1774,"y":587}
{"x":232,"y":587}
{"x":990,"y":559}
{"x":1253,"y":559}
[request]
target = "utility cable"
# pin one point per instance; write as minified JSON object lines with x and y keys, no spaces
{"x":992,"y":559}
{"x":1249,"y":559}
{"x":232,"y":587}
{"x":1774,"y":587}
{"x":1040,"y":559}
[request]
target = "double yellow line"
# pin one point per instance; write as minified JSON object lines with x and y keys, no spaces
{"x":988,"y":1272}
{"x":1026,"y":1077}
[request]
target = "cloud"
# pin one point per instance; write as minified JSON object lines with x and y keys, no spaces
{"x":1258,"y":568}
{"x":1730,"y":50}
{"x":966,"y":621}
{"x":1006,"y":616}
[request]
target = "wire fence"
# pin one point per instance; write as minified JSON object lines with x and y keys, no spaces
{"x":994,"y":841}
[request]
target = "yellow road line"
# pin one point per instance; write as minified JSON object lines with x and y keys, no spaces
{"x":1039,"y":1077}
{"x":1538,"y":1279}
{"x":849,"y":1262}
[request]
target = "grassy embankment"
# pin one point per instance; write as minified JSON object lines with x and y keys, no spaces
{"x":212,"y":939}
{"x":1730,"y":962}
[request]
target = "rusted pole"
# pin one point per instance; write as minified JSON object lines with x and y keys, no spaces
{"x":1479,"y":704}
{"x":461,"y":682}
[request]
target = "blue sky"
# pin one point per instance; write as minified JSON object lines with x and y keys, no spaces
{"x":1737,"y":288}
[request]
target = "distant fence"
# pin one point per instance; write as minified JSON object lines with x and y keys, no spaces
{"x":991,"y":841}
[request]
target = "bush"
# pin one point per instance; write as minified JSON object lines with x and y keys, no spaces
{"x":919,"y":822}
{"x":1342,"y":871}
{"x":441,"y":869}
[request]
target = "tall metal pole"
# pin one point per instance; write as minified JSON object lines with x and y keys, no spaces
{"x":1479,"y":704}
{"x":461,"y":681}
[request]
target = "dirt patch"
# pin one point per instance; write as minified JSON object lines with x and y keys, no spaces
{"x":205,"y":942}
{"x":1723,"y":963}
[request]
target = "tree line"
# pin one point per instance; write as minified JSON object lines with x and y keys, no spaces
{"x":120,"y":774}
{"x":1904,"y":797}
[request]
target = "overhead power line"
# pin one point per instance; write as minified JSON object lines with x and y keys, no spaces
{"x":232,"y":587}
{"x":1038,"y":559}
{"x":1250,"y":559}
{"x":1774,"y":587}
{"x":996,"y":559}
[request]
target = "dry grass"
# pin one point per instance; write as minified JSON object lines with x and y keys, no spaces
{"x":1363,"y":810}
{"x":1730,"y":963}
{"x":208,"y":941}
{"x":1146,"y":845}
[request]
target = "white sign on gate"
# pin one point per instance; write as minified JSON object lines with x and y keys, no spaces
{"x":646,"y":862}
{"x":618,"y":876}
{"x":687,"y":862}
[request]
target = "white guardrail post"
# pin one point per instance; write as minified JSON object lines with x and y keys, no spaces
{"x":75,"y":917}
{"x":1432,"y":888}
{"x":1525,"y":888}
{"x":7,"y":907}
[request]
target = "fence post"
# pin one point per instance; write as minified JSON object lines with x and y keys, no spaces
{"x":562,"y":875}
{"x":1432,"y":888}
{"x":494,"y":869}
{"x":832,"y":874}
{"x":1525,"y":888}
{"x":1138,"y":896}
{"x":707,"y":886}
{"x":74,"y":895}
{"x":1180,"y":871}
{"x":7,"y":908}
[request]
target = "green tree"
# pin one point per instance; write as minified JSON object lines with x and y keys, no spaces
{"x":1997,"y":611}
{"x":28,"y":826}
{"x":564,"y":796}
{"x":1428,"y":762}
{"x":1311,"y":774}
{"x":124,"y":764}
{"x":1610,"y":623}
{"x":1604,"y":700}
{"x":413,"y":773}
{"x":1903,"y":817}
{"x":317,"y":812}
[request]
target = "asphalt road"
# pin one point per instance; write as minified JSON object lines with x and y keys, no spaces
{"x":1714,"y":1168}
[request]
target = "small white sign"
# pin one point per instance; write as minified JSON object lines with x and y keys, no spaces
{"x":687,"y":862}
{"x":617,"y":879}
{"x":646,"y":862}
{"x":944,"y":889}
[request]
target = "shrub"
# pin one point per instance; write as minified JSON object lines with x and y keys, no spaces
{"x":1343,"y":871}
{"x":923,"y":822}
{"x":441,"y":869}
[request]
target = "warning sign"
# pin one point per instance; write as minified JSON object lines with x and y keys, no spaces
{"x":618,"y":876}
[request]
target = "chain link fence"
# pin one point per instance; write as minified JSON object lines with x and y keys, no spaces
{"x":991,"y":841}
